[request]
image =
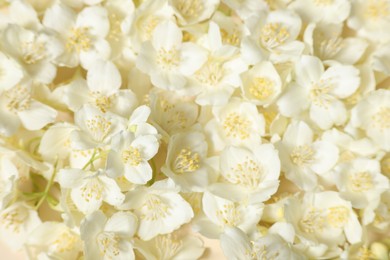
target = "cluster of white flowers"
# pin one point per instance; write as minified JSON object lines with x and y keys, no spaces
{"x":262,"y":123}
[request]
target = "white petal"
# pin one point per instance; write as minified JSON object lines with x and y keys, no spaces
{"x":139,"y":174}
{"x":293,"y":101}
{"x":326,"y":156}
{"x":345,"y":80}
{"x":70,"y":178}
{"x":112,"y":192}
{"x":123,"y":223}
{"x":166,"y":36}
{"x":104,"y":77}
{"x":308,"y":70}
{"x":95,"y":19}
{"x":37,"y":116}
{"x":325,"y":117}
{"x":60,"y":18}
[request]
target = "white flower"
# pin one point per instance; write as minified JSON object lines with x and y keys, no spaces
{"x":236,"y":123}
{"x":196,"y":11}
{"x":325,"y":11}
{"x":17,"y":107}
{"x":223,"y":213}
{"x":324,"y":218}
{"x":130,"y":155}
{"x":171,"y":113}
{"x":372,"y":114}
{"x":246,"y":8}
{"x":82,"y":35}
{"x":95,"y":127}
{"x":303,"y":158}
{"x":236,"y":245}
{"x":171,"y":246}
{"x":361,"y":182}
{"x":16,"y":223}
{"x":320,"y":91}
{"x":330,"y":46}
{"x":370,"y":18}
{"x":261,"y":84}
{"x":248,"y":173}
{"x":167,"y":60}
{"x":54,"y":240}
{"x":35,"y":51}
{"x":89,"y":189}
{"x":102,"y":90}
{"x":273,"y":36}
{"x":217,"y":78}
{"x":108,"y":238}
{"x":159,"y":208}
{"x":11,"y":72}
{"x":186,"y":162}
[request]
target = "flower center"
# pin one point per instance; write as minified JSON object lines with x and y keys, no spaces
{"x":17,"y":98}
{"x":108,"y":244}
{"x":236,"y":126}
{"x":132,"y":156}
{"x":154,"y":209}
{"x":167,"y":246}
{"x":338,"y":216}
{"x":189,"y":9}
{"x":273,"y":35}
{"x":330,"y":47}
{"x":65,"y":242}
{"x":377,"y":9}
{"x":79,"y":40}
{"x":32,"y":52}
{"x":229,"y":215}
{"x":13,"y":220}
{"x":99,"y":127}
{"x":248,"y":174}
{"x":313,"y":221}
{"x":262,"y":88}
{"x":361,"y":181}
{"x":211,"y":73}
{"x":382,"y":118}
{"x":101,"y":101}
{"x":93,"y":190}
{"x":230,"y":38}
{"x":187,"y":161}
{"x":168,"y":59}
{"x":319,"y":93}
{"x":302,"y":155}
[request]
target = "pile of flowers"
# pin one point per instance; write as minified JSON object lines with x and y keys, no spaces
{"x":262,"y":123}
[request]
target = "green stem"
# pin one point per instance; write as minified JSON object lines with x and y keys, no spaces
{"x":48,"y":186}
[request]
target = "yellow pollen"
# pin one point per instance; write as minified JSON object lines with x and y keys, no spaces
{"x":99,"y":127}
{"x":365,"y":253}
{"x":229,"y":215}
{"x":167,"y":246}
{"x":65,"y":242}
{"x":319,"y":93}
{"x":211,"y":73}
{"x":377,"y":9}
{"x":115,"y":27}
{"x":273,"y":35}
{"x":230,"y":38}
{"x":132,"y":156}
{"x":17,"y":98}
{"x":154,"y":209}
{"x":361,"y":181}
{"x":302,"y":155}
{"x":187,"y":161}
{"x":248,"y":174}
{"x":168,"y":59}
{"x":13,"y":220}
{"x":147,"y":26}
{"x":330,"y":47}
{"x":108,"y":244}
{"x":262,"y":88}
{"x":381,"y":119}
{"x":102,"y":102}
{"x":338,"y":216}
{"x":236,"y":126}
{"x":93,"y":190}
{"x":312,"y":221}
{"x":79,"y":40}
{"x":189,"y":9}
{"x":33,"y":52}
